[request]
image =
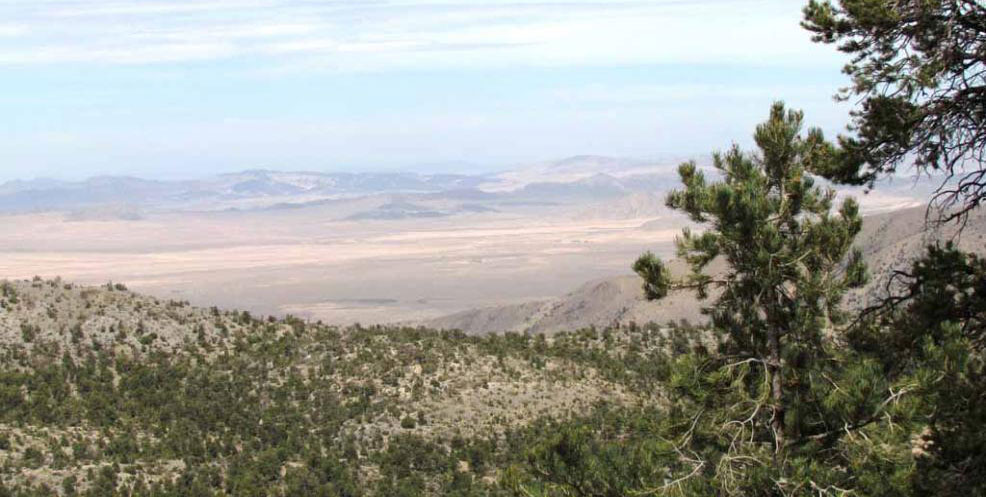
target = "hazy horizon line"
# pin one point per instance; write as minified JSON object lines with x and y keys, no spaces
{"x":471,"y":168}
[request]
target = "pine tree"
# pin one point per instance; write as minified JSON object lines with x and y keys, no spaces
{"x":931,"y":332}
{"x":918,"y":71}
{"x":789,"y":260}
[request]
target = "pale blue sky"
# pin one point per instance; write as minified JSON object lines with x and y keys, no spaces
{"x":184,"y":88}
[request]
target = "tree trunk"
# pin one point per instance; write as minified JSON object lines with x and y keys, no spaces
{"x":776,"y":391}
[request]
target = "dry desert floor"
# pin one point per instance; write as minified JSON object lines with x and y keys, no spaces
{"x":306,"y":263}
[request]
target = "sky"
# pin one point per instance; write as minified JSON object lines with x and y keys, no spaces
{"x":187,"y":88}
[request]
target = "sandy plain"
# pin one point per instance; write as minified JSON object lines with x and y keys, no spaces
{"x":307,"y":262}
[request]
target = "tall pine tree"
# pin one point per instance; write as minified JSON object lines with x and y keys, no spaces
{"x":789,"y":260}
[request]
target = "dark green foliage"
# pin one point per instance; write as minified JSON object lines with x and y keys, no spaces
{"x":945,"y":285}
{"x":28,"y":332}
{"x":784,"y":281}
{"x":655,"y":276}
{"x":930,"y":328}
{"x":917,"y":70}
{"x":408,"y":423}
{"x":611,"y":453}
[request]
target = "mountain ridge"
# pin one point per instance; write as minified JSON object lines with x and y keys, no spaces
{"x":889,"y":240}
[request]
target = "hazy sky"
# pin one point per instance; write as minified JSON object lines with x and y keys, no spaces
{"x":183,"y":88}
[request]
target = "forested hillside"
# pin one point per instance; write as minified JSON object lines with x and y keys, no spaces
{"x":109,"y":391}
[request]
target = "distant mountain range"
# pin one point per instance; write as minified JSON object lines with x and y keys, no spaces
{"x":217,"y":192}
{"x":576,"y":177}
{"x":581,"y":181}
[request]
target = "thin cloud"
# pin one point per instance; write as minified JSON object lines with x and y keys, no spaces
{"x":673,"y":93}
{"x":395,"y":35}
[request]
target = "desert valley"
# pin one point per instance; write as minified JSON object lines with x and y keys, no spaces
{"x":368,"y":248}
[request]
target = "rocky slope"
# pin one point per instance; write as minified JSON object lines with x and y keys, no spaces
{"x":888,"y":240}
